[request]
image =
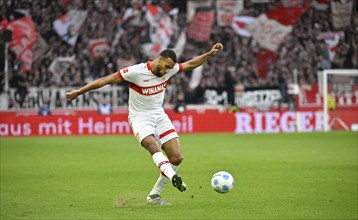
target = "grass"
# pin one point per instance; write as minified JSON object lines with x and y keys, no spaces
{"x":277,"y":176}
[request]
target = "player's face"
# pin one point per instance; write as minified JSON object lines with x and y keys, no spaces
{"x":164,"y":66}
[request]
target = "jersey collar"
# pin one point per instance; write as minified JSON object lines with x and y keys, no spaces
{"x":149,"y":67}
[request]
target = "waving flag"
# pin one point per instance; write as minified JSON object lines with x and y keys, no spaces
{"x":264,"y":59}
{"x":341,"y":13}
{"x":68,"y":26}
{"x":60,"y":65}
{"x":332,"y":40}
{"x":227,"y":10}
{"x":239,"y":25}
{"x":153,"y":49}
{"x":24,"y":36}
{"x":98,"y":47}
{"x":321,"y":5}
{"x":332,"y":44}
{"x":160,"y":30}
{"x":270,"y":29}
{"x":200,"y":27}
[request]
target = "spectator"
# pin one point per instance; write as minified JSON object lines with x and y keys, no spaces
{"x":104,"y":107}
{"x":19,"y":82}
{"x":300,"y":50}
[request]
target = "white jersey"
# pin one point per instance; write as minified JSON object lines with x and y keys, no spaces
{"x":146,"y":90}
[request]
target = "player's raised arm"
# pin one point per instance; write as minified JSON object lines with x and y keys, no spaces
{"x":197,"y":61}
{"x":98,"y":83}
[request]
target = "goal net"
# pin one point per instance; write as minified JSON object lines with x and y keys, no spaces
{"x":339,"y":89}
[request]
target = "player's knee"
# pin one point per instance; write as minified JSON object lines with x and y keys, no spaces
{"x":176,"y":159}
{"x":152,"y":147}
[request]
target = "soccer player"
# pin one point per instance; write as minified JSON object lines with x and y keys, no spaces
{"x":150,"y":124}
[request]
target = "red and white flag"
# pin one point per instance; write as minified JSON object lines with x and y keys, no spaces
{"x":24,"y":36}
{"x":60,"y":65}
{"x":193,"y":5}
{"x":330,"y":35}
{"x":68,"y":26}
{"x":332,"y":44}
{"x":264,"y":59}
{"x":239,"y":25}
{"x":269,"y":29}
{"x":98,"y":47}
{"x":341,"y":13}
{"x":152,"y":50}
{"x":160,"y":30}
{"x":227,"y":10}
{"x":332,"y":40}
{"x":321,"y":5}
{"x":200,"y":26}
{"x":39,"y":48}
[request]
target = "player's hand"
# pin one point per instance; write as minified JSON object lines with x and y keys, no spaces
{"x":72,"y":95}
{"x":216,"y":49}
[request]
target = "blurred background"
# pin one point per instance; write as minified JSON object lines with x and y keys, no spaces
{"x":274,"y":52}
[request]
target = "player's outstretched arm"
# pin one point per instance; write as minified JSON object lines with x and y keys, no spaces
{"x":98,"y":83}
{"x":197,"y":61}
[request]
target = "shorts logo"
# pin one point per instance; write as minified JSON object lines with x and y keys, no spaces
{"x":125,"y":70}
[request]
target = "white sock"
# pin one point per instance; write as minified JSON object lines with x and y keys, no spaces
{"x":163,"y":164}
{"x":161,"y":182}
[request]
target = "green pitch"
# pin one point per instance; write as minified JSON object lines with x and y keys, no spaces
{"x":277,"y":176}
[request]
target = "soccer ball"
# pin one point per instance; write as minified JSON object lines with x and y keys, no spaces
{"x":222,"y":182}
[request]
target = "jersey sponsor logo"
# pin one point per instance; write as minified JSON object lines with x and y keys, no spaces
{"x":151,"y":90}
{"x":154,"y":90}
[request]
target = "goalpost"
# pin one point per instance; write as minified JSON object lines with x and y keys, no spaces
{"x":345,"y":80}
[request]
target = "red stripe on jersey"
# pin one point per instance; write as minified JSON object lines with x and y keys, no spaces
{"x":149,"y":68}
{"x":150,"y":90}
{"x":166,"y":133}
{"x":163,"y":162}
{"x":120,"y":75}
{"x":180,"y":67}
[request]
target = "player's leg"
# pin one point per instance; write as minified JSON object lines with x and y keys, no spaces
{"x":173,"y":152}
{"x":144,"y":128}
{"x":162,"y":162}
{"x":175,"y":158}
{"x":168,"y":136}
{"x":164,"y":165}
{"x":161,"y":182}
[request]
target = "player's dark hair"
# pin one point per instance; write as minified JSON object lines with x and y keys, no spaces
{"x":169,"y":54}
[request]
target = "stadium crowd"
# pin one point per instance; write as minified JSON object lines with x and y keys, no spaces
{"x":301,"y":50}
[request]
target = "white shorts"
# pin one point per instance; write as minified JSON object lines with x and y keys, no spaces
{"x":157,"y":124}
